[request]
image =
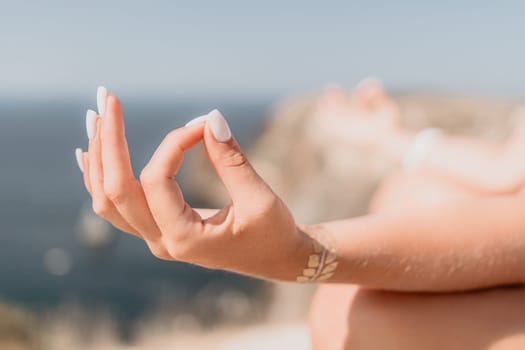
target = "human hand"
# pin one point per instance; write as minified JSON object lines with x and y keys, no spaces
{"x":255,"y":234}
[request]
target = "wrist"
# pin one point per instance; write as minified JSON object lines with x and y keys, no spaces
{"x":281,"y":260}
{"x":319,"y":260}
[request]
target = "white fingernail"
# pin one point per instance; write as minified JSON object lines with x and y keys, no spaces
{"x":91,"y":118}
{"x":369,"y":81}
{"x":218,"y":126}
{"x":102,"y":92}
{"x":78,"y":156}
{"x":197,"y":120}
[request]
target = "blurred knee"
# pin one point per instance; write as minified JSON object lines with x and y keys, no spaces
{"x":328,"y":316}
{"x":349,"y":317}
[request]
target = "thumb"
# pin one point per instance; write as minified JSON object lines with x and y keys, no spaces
{"x":236,"y":173}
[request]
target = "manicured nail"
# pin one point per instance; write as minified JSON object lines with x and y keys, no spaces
{"x":218,"y":126}
{"x":198,"y":120}
{"x":91,"y":118}
{"x":78,"y":156}
{"x":369,"y":81}
{"x":102,"y":92}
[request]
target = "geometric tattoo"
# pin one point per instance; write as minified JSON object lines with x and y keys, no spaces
{"x":322,"y":263}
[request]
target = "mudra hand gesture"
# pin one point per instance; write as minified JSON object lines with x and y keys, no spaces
{"x":409,"y":250}
{"x":255,"y":234}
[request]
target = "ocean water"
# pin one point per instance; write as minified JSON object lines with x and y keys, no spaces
{"x":42,"y":198}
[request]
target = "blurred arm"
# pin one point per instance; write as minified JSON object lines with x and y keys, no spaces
{"x":478,"y":165}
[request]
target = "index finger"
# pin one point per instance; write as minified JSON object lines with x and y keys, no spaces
{"x":163,"y":194}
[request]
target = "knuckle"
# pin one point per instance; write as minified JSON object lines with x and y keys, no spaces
{"x":159,"y":251}
{"x":234,"y":158}
{"x":268,"y":203}
{"x":241,"y":227}
{"x":266,"y":207}
{"x":271,"y":203}
{"x":172,"y":135}
{"x":176,"y":250}
{"x":101,"y":207}
{"x":148,"y":177}
{"x":144,"y":176}
{"x":173,"y":138}
{"x":116,"y":190}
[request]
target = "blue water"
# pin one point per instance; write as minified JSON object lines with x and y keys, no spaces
{"x":41,"y":195}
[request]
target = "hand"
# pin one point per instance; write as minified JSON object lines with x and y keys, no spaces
{"x":255,"y":234}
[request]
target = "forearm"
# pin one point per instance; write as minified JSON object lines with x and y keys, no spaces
{"x":460,"y":246}
{"x":478,"y":165}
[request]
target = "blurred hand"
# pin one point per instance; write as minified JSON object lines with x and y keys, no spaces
{"x":365,"y":119}
{"x":255,"y":234}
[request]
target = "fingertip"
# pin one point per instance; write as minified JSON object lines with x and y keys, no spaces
{"x":91,"y":117}
{"x":78,"y":157}
{"x":215,"y":143}
{"x":112,"y":103}
{"x":101,"y":100}
{"x":113,"y":123}
{"x":219,"y":126}
{"x":196,"y":121}
{"x":333,"y":90}
{"x":194,"y":132}
{"x":370,"y":82}
{"x":112,"y":98}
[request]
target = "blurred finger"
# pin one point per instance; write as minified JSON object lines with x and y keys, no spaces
{"x":367,"y":92}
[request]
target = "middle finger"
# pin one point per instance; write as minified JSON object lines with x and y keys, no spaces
{"x":102,"y":206}
{"x":120,"y":185}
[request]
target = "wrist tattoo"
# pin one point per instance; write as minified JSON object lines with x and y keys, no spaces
{"x":322,"y":263}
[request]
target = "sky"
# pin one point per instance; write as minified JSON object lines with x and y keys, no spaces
{"x":158,"y":49}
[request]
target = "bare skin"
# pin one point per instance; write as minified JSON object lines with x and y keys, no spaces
{"x":386,"y":250}
{"x":350,"y":317}
{"x":440,"y":247}
{"x":369,"y":119}
{"x":154,"y":209}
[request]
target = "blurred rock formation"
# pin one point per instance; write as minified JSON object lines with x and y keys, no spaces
{"x":18,"y":329}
